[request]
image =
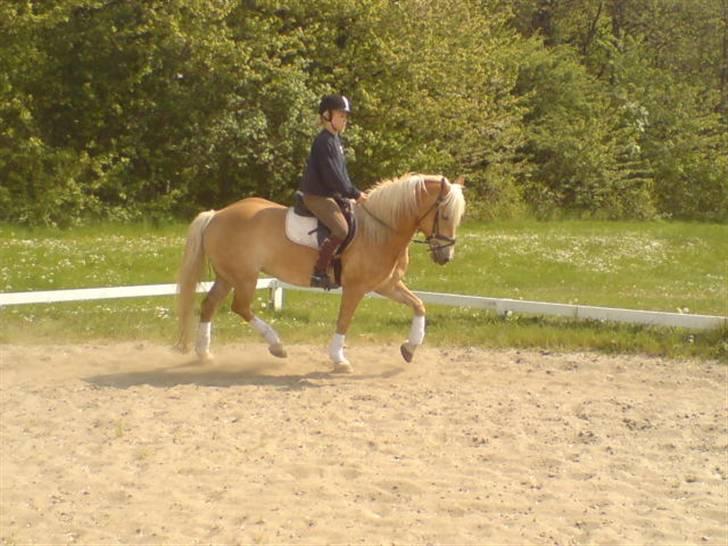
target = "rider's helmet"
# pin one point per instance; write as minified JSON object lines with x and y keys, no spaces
{"x":334,"y":102}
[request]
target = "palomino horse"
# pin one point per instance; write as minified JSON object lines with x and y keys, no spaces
{"x":248,"y":237}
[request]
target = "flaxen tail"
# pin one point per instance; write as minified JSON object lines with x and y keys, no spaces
{"x":190,"y":272}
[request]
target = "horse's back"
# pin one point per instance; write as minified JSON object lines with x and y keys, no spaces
{"x":246,"y":214}
{"x":245,"y":208}
{"x":250,"y":234}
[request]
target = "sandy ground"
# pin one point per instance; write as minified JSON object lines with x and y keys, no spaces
{"x":136,"y":444}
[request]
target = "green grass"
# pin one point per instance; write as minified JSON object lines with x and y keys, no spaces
{"x":656,"y":266}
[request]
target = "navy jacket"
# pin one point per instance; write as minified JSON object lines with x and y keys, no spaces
{"x":326,"y":172}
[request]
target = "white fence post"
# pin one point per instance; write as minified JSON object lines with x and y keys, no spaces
{"x":276,"y":297}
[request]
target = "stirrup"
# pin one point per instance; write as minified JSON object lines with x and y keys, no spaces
{"x":319,"y":280}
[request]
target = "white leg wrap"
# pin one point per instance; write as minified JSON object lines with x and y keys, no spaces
{"x":204,"y":335}
{"x":265,"y":330}
{"x":417,"y":330}
{"x":336,"y":349}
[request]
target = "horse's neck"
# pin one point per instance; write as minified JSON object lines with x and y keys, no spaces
{"x":404,"y":237}
{"x":404,"y":232}
{"x":404,"y":228}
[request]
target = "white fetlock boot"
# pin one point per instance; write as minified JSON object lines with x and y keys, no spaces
{"x":275,"y":347}
{"x":202,"y":345}
{"x":416,"y":337}
{"x":336,"y":352}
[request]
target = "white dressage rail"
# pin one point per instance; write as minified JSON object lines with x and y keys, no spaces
{"x":501,"y":306}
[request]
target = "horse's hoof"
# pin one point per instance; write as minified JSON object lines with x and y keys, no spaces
{"x":343,"y":367}
{"x":205,"y":356}
{"x":407,"y":354}
{"x":278,"y":350}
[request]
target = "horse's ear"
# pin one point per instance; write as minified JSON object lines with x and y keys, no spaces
{"x":460,"y":180}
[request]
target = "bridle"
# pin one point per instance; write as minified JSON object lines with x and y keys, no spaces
{"x":436,"y":240}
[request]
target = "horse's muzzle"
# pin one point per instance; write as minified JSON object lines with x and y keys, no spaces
{"x":442,"y":249}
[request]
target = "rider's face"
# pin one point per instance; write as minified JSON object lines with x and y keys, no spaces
{"x":339,"y":120}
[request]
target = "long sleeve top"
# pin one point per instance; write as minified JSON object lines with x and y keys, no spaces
{"x":326,"y":172}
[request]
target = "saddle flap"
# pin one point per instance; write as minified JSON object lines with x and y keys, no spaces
{"x":303,"y":228}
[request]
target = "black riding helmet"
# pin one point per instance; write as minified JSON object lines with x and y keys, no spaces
{"x":335,"y":102}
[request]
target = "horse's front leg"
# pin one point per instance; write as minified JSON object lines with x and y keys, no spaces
{"x":398,"y":292}
{"x":350,"y":298}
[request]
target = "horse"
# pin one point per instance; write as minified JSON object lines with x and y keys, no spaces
{"x":248,"y":237}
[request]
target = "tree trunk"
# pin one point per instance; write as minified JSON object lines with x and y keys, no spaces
{"x":724,"y":62}
{"x":543,"y":20}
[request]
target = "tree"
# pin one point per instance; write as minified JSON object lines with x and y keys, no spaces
{"x":658,"y":64}
{"x":585,"y":151}
{"x":123,"y":110}
{"x":435,"y":94}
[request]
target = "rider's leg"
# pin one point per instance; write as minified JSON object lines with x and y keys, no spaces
{"x":326,"y":254}
{"x":326,"y":210}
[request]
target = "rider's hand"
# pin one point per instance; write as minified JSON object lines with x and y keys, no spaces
{"x":362,"y":198}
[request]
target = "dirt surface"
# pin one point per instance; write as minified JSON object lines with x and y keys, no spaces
{"x":137,"y":444}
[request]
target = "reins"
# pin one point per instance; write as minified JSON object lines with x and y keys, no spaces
{"x":436,"y":240}
{"x":379,"y":220}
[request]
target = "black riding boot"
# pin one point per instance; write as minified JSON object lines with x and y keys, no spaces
{"x":320,"y":277}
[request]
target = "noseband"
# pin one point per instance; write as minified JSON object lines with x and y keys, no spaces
{"x":436,"y":240}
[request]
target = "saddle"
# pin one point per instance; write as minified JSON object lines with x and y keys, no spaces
{"x":303,"y":228}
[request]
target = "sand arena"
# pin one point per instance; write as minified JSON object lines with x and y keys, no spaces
{"x":136,"y":444}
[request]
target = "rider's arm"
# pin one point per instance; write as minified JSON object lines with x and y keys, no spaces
{"x":332,"y":170}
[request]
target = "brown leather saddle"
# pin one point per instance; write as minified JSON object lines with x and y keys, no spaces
{"x":322,"y":232}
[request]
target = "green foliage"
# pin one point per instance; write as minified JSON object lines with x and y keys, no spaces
{"x":128,"y":110}
{"x":584,"y":146}
{"x":688,"y":145}
{"x":438,"y":98}
{"x":679,"y":133}
{"x":626,"y":107}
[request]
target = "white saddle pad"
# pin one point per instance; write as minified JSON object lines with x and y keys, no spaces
{"x":301,"y":229}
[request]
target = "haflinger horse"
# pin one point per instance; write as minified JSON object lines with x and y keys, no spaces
{"x":248,"y":237}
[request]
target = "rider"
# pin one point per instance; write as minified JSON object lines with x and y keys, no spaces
{"x":326,"y":177}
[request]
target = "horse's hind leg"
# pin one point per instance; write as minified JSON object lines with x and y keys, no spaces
{"x":220,"y":289}
{"x":244,"y":294}
{"x":400,"y":293}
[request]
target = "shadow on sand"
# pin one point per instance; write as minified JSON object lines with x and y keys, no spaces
{"x":205,"y":375}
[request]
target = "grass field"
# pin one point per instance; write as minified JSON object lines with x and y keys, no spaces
{"x":657,"y":266}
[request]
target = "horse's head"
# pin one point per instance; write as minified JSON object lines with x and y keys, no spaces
{"x":440,"y":219}
{"x":429,"y":203}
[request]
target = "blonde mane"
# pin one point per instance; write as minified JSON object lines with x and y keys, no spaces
{"x":391,"y":199}
{"x":388,"y":201}
{"x":453,"y":206}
